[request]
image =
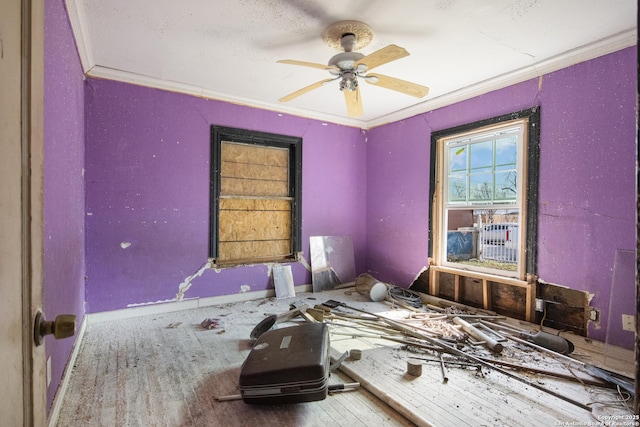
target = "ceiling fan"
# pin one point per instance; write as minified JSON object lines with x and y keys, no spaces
{"x":349,"y":66}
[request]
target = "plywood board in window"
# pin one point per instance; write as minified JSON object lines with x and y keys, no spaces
{"x":254,"y":228}
{"x":253,"y":171}
{"x":254,"y":225}
{"x":253,"y":187}
{"x":254,"y":154}
{"x":238,"y":204}
{"x":253,"y":250}
{"x":254,"y":219}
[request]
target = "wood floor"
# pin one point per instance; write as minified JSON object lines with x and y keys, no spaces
{"x":166,"y":370}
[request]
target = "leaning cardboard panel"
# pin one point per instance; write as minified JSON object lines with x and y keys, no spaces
{"x":287,"y":365}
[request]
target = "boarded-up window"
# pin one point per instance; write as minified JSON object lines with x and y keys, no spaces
{"x":255,"y":197}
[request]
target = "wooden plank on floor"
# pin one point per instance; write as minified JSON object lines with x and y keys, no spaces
{"x":140,"y":372}
{"x":143,"y":372}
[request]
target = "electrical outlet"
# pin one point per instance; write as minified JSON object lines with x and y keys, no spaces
{"x":628,"y":322}
{"x":48,"y":371}
{"x":539,"y":304}
{"x":594,"y":315}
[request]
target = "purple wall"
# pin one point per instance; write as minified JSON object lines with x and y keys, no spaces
{"x":588,"y":194}
{"x":147,"y":161}
{"x":147,"y":186}
{"x":587,"y":181}
{"x":64,"y":258}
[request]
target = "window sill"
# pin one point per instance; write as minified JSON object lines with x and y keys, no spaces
{"x":480,"y":275}
{"x":485,"y":281}
{"x":249,"y":262}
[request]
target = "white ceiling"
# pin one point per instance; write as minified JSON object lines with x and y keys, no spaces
{"x":227,"y":49}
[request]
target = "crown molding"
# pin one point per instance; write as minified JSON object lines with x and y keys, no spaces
{"x":76,"y":12}
{"x":106,"y":73}
{"x":584,"y":53}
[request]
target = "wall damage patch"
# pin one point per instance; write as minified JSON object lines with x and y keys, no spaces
{"x":303,"y":261}
{"x":186,"y":284}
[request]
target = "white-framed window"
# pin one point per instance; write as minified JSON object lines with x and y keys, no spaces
{"x":484,"y":187}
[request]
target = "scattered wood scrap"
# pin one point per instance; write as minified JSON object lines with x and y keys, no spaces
{"x":462,"y":338}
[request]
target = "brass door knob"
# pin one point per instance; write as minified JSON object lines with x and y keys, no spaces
{"x":63,"y":327}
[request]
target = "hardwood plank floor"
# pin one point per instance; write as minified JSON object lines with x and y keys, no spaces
{"x":166,"y":370}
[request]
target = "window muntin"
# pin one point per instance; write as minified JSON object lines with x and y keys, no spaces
{"x":483,"y":169}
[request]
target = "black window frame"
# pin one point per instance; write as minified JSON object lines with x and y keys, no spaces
{"x":533,"y":172}
{"x":221,"y":134}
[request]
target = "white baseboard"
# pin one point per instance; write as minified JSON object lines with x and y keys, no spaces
{"x":189,"y":304}
{"x":144,"y":310}
{"x":66,"y":376}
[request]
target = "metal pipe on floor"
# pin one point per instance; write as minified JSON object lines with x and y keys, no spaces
{"x":491,"y":343}
{"x":550,"y":373}
{"x":445,"y":378}
{"x":461,"y":353}
{"x":544,"y":339}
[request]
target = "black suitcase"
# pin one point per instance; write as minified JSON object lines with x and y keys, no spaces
{"x":287,"y":365}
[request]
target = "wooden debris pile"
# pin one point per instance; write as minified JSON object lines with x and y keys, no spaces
{"x":462,"y":337}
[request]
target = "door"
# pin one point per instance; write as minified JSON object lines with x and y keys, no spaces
{"x":22,"y":395}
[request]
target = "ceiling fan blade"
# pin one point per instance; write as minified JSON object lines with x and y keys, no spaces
{"x":308,"y":64}
{"x":398,"y":85}
{"x":382,"y":56}
{"x":304,"y":90}
{"x":354,"y":102}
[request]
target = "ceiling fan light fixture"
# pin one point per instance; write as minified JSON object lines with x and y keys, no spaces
{"x":345,"y":60}
{"x":349,"y":82}
{"x":349,"y":66}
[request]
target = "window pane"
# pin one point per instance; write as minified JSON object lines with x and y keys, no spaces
{"x":458,"y":188}
{"x":461,"y":235}
{"x":499,"y":239}
{"x":478,"y":226}
{"x":507,"y":151}
{"x":481,"y":187}
{"x":506,"y":186}
{"x":481,"y":156}
{"x":458,"y":158}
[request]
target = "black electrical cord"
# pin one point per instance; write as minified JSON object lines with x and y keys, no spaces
{"x":405,"y":296}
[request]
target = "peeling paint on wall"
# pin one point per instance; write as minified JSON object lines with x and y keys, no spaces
{"x":139,"y":304}
{"x":125,"y":245}
{"x":245,"y":288}
{"x":186,"y":284}
{"x":594,"y":314}
{"x":303,"y":261}
{"x":422,"y":270}
{"x":269,"y":268}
